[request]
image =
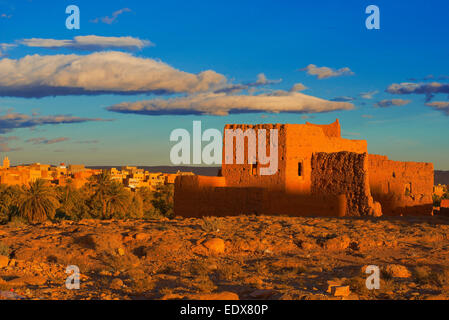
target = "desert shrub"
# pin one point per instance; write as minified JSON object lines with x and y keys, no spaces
{"x":204,"y":284}
{"x":229,"y":271}
{"x":163,"y":200}
{"x":4,"y":249}
{"x":115,"y":262}
{"x":426,"y":275}
{"x":211,"y":224}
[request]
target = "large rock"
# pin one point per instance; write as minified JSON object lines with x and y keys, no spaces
{"x":338,"y":243}
{"x":4,"y":261}
{"x":397,"y":271}
{"x":28,"y":280}
{"x":215,"y":245}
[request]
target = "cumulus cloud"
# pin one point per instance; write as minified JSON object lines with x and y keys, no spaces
{"x":391,"y":103}
{"x":368,"y":95}
{"x":440,"y":106}
{"x":113,"y":18}
{"x":89,"y":43}
{"x":427,"y":89}
{"x":262,"y":80}
{"x":222,"y":104}
{"x":297,"y":87}
{"x":46,"y":141}
{"x":12,"y":121}
{"x":326,"y":72}
{"x":112,"y":72}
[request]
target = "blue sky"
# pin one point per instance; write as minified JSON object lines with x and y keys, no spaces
{"x":238,"y":41}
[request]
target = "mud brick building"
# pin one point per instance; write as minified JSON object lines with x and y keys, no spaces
{"x":444,"y":208}
{"x":319,"y":174}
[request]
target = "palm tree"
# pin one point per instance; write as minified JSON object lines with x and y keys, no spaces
{"x":116,"y":201}
{"x":38,"y":202}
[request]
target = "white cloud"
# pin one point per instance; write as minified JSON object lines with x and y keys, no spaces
{"x":392,"y":102}
{"x":91,"y":42}
{"x":440,"y":105}
{"x":222,"y":104}
{"x":326,"y":72}
{"x":298,"y":87}
{"x":98,"y":73}
{"x":428,"y":89}
{"x":11,"y":120}
{"x":368,"y":95}
{"x":113,"y":18}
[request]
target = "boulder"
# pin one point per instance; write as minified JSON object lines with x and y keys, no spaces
{"x":4,"y":261}
{"x":397,"y":271}
{"x":215,"y":245}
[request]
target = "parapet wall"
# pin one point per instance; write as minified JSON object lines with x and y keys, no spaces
{"x":345,"y":174}
{"x":330,"y":130}
{"x":402,"y":188}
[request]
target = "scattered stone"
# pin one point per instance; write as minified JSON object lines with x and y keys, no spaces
{"x":341,"y":291}
{"x":121,"y":251}
{"x":141,"y":236}
{"x":226,"y":295}
{"x":215,"y":245}
{"x":338,"y":243}
{"x":28,"y":280}
{"x":116,"y":284}
{"x":331,"y":284}
{"x":397,"y":271}
{"x":262,"y":294}
{"x":4,"y":261}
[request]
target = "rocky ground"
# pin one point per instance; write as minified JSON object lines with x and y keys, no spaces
{"x":247,"y":257}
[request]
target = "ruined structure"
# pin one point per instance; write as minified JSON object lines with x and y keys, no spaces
{"x":319,"y":174}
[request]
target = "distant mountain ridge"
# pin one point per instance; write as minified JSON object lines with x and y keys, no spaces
{"x":441,"y":177}
{"x":202,"y":171}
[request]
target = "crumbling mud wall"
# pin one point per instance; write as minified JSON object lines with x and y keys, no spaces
{"x":304,"y":140}
{"x":402,"y":188}
{"x":197,"y":196}
{"x":444,"y":208}
{"x":345,"y":174}
{"x":248,"y":175}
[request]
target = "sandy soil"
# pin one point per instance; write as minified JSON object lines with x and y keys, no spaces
{"x":247,"y":257}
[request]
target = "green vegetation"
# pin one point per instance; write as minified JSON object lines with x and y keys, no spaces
{"x":100,"y":198}
{"x":437,"y":199}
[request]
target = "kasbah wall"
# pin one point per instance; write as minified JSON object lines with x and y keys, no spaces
{"x":319,"y":174}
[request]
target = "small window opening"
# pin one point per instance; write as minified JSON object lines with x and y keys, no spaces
{"x":254,"y":169}
{"x":300,"y":169}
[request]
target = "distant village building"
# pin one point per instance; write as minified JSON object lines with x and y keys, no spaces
{"x":5,"y":163}
{"x":319,"y":174}
{"x":78,"y":175}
